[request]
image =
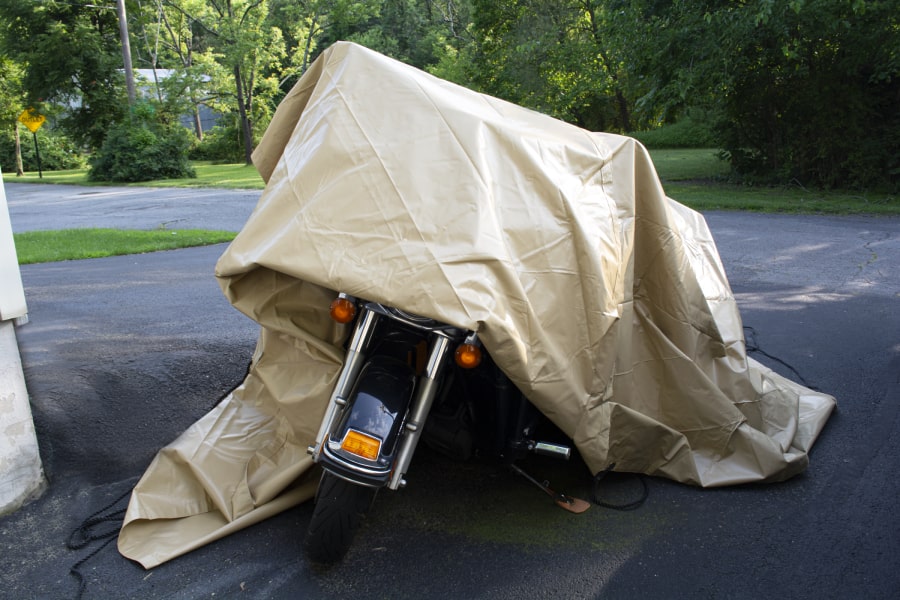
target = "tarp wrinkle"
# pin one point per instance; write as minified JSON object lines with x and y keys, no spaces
{"x":603,"y":300}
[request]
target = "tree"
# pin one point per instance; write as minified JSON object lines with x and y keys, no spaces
{"x":560,"y":57}
{"x":804,"y":90}
{"x":240,"y":37}
{"x":413,"y":31}
{"x":302,"y":23}
{"x":72,"y":57}
{"x":812,"y":92}
{"x":167,"y":40}
{"x":12,"y":102}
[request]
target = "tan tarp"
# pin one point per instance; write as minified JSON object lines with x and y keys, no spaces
{"x":604,"y":301}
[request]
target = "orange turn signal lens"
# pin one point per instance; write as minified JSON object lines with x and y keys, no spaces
{"x":342,"y":310}
{"x":361,"y":444}
{"x":468,"y":356}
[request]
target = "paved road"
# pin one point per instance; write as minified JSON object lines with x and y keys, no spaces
{"x":123,"y":353}
{"x":39,"y":207}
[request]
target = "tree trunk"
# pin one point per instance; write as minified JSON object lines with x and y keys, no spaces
{"x":624,"y":113}
{"x":245,"y":119}
{"x":309,"y":38}
{"x":19,"y":168}
{"x":198,"y":124}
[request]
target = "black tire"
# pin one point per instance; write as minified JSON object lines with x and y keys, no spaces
{"x":340,"y":509}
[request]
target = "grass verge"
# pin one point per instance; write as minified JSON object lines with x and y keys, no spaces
{"x":797,"y":200}
{"x":73,"y":244}
{"x":689,"y":164}
{"x":695,"y":177}
{"x":209,"y":175}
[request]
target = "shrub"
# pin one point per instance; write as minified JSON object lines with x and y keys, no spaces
{"x":58,"y":152}
{"x":142,"y":148}
{"x":687,"y":132}
{"x":222,"y":143}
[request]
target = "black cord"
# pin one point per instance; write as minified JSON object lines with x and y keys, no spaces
{"x":84,"y":534}
{"x":753,"y":346}
{"x":595,"y":491}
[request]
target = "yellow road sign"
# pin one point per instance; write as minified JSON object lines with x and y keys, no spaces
{"x":32,"y":119}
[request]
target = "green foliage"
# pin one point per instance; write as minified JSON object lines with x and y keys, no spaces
{"x":803,"y":90}
{"x":12,"y":95}
{"x":223,"y":143}
{"x":806,"y":90}
{"x":72,"y":57}
{"x":235,"y":176}
{"x":687,"y":132}
{"x":142,"y":148}
{"x":417,"y":32}
{"x":562,"y":57}
{"x":58,"y":152}
{"x":248,"y":50}
{"x":814,"y":94}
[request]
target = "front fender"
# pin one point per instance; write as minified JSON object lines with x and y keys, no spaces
{"x":377,"y":407}
{"x":380,"y":400}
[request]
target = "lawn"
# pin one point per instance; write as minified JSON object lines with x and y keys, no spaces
{"x":696,"y":177}
{"x":689,"y":164}
{"x":73,"y":244}
{"x":209,"y":175}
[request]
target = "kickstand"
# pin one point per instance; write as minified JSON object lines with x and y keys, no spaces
{"x":573,"y":505}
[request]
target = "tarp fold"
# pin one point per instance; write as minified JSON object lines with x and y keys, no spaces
{"x":603,"y":300}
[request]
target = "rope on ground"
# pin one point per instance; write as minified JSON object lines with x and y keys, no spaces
{"x":86,"y":533}
{"x":595,"y":491}
{"x":753,"y":346}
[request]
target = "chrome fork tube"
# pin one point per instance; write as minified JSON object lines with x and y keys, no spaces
{"x":353,"y":363}
{"x":426,"y":391}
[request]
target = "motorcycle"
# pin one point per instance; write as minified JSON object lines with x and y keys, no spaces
{"x":405,"y":379}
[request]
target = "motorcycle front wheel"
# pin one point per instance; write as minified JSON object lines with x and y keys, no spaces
{"x":341,"y":507}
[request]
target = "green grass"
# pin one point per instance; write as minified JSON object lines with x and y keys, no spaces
{"x":680,"y":165}
{"x":73,"y":244}
{"x":230,"y":176}
{"x":695,"y":177}
{"x":713,"y":196}
{"x":209,"y":175}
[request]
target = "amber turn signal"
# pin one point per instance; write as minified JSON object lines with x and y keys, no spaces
{"x":361,"y":444}
{"x":342,"y":310}
{"x":468,"y":356}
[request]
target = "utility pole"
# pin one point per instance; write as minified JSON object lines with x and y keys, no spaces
{"x":126,"y":51}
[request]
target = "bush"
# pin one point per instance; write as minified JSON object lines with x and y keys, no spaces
{"x":58,"y":152}
{"x":141,"y":148}
{"x":222,"y":143}
{"x":850,"y":141}
{"x":687,"y":132}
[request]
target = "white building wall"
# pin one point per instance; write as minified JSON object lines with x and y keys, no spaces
{"x":21,"y":475}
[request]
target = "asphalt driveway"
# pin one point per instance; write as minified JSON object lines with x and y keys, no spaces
{"x":124,"y":353}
